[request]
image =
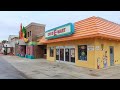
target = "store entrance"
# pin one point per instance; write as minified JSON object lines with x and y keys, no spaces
{"x":62,"y":54}
{"x":65,"y":54}
{"x":57,"y":54}
{"x":72,"y":55}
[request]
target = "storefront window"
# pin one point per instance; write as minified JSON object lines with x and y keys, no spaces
{"x":51,"y":51}
{"x":28,"y":34}
{"x":82,"y":52}
{"x":45,"y":52}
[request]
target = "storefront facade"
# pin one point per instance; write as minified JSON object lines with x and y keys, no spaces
{"x":12,"y":41}
{"x":68,"y":52}
{"x":33,"y":49}
{"x":28,"y":45}
{"x":88,"y":43}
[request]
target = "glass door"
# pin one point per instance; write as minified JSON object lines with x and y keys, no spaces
{"x":62,"y":54}
{"x":67,"y":56}
{"x":72,"y":54}
{"x":57,"y":54}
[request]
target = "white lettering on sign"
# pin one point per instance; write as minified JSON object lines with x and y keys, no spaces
{"x":61,"y":31}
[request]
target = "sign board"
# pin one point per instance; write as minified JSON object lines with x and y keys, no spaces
{"x":90,"y":48}
{"x":64,"y":30}
{"x":97,"y":47}
{"x":72,"y":53}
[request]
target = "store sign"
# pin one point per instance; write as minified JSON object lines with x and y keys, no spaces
{"x":97,"y":47}
{"x":72,"y":53}
{"x":64,"y":30}
{"x":90,"y":48}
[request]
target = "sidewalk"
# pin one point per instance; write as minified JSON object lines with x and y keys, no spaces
{"x":43,"y":69}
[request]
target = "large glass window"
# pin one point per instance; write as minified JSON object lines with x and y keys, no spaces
{"x":45,"y":51}
{"x":82,"y":52}
{"x":51,"y":51}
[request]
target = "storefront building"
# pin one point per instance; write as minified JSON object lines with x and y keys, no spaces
{"x":1,"y":46}
{"x":29,"y":46}
{"x":93,"y":43}
{"x":12,"y":41}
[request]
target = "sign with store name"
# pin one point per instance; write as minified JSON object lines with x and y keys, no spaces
{"x":61,"y":31}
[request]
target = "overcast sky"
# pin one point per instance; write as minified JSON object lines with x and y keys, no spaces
{"x":10,"y":20}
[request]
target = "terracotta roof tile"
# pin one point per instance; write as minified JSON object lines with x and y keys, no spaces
{"x":91,"y":27}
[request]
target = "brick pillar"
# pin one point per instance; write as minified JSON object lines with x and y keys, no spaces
{"x":32,"y":50}
{"x":26,"y":50}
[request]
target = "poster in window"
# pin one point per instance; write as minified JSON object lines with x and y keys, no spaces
{"x":72,"y":53}
{"x":57,"y":51}
{"x":82,"y":52}
{"x":66,"y":50}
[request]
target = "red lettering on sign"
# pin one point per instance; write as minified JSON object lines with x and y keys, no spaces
{"x":64,"y":29}
{"x":55,"y":32}
{"x":58,"y":31}
{"x":50,"y":33}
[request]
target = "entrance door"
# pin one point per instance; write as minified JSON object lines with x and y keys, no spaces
{"x":111,"y":55}
{"x":72,"y":54}
{"x":57,"y":54}
{"x":62,"y":54}
{"x":67,"y":55}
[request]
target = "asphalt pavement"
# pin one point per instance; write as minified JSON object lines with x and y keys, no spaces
{"x":7,"y":71}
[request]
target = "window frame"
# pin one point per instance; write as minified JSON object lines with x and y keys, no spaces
{"x":51,"y":55}
{"x":28,"y":34}
{"x":45,"y":51}
{"x":86,"y":52}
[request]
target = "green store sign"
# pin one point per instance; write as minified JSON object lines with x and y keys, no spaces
{"x":61,"y":31}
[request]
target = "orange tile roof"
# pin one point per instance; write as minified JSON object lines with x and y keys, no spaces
{"x":39,"y":40}
{"x":91,"y":27}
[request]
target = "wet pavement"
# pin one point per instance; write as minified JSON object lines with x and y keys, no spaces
{"x":7,"y":71}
